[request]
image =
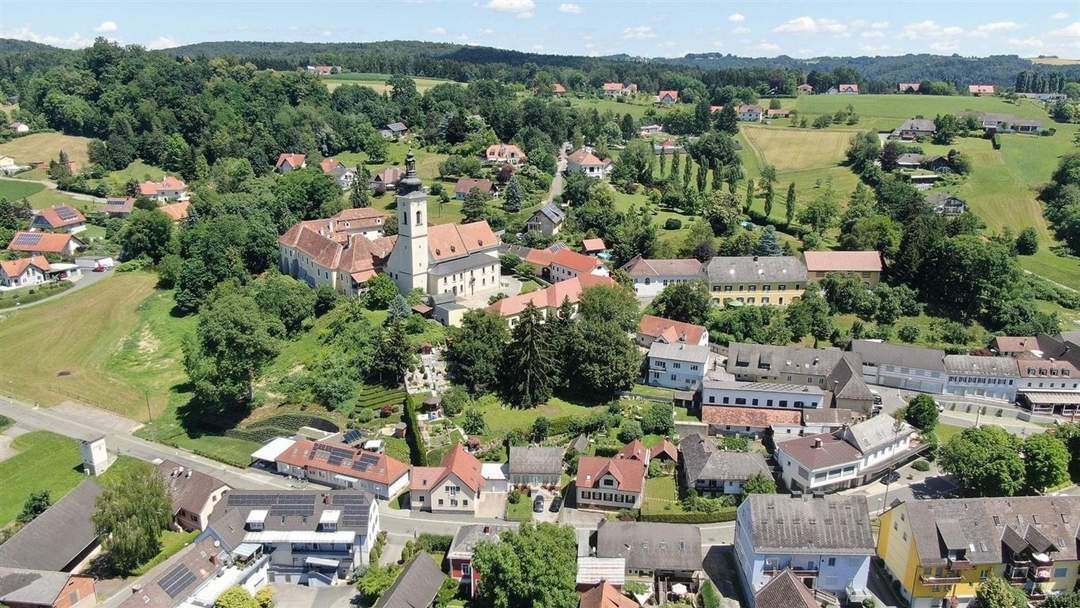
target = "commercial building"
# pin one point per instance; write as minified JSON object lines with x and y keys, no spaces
{"x":908,"y":367}
{"x":989,"y":377}
{"x":337,"y":465}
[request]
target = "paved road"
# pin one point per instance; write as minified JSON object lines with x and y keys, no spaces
{"x":88,"y":279}
{"x":894,"y":398}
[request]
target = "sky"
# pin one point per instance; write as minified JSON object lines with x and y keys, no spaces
{"x":657,"y":28}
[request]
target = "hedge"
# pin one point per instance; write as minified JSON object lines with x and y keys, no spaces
{"x":435,"y":543}
{"x":723,"y":515}
{"x":293,"y":422}
{"x":781,"y":226}
{"x":417,"y":449}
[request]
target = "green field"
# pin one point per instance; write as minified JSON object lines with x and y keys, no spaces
{"x":14,"y":190}
{"x":661,"y":496}
{"x":116,"y":181}
{"x":636,"y":107}
{"x":378,"y":81}
{"x":502,"y":419}
{"x":43,"y":147}
{"x":885,"y":112}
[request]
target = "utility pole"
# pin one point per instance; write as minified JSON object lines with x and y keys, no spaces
{"x":149,"y":417}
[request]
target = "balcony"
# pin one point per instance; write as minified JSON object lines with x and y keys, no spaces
{"x":948,"y":578}
{"x":773,"y":569}
{"x":1041,"y":575}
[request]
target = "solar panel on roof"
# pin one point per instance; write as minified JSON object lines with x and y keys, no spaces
{"x":176,"y":580}
{"x":352,"y":436}
{"x":28,"y":239}
{"x":66,"y":213}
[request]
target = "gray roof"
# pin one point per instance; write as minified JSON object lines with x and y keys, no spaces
{"x":846,"y":379}
{"x":829,"y":525}
{"x":875,"y":431}
{"x":970,"y":365}
{"x":467,"y":537}
{"x":702,"y":460}
{"x":910,"y":158}
{"x":580,"y":443}
{"x":228,"y":521}
{"x":416,"y":586}
{"x":938,"y":198}
{"x":22,"y":586}
{"x":60,"y":535}
{"x":543,"y":461}
{"x":883,"y":353}
{"x":469,"y":262}
{"x":918,"y":124}
{"x":552,"y":212}
{"x":828,"y":415}
{"x":651,"y":546}
{"x":756,"y":269}
{"x":683,"y":267}
{"x":190,"y":490}
{"x":397,"y":126}
{"x":680,"y":351}
{"x":746,"y":358}
{"x":768,"y":387}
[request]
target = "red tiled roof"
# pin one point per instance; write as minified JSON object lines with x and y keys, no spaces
{"x":656,"y":327}
{"x":832,"y":451}
{"x":854,"y":88}
{"x":578,"y":262}
{"x":389,"y":175}
{"x":540,"y":257}
{"x":449,"y":241}
{"x":665,"y":448}
{"x":502,"y":151}
{"x":176,"y":211}
{"x":593,"y":245}
{"x":550,"y":297}
{"x":466,"y":184}
{"x":52,"y":215}
{"x":329,"y":164}
{"x":303,"y":454}
{"x":629,"y":473}
{"x":458,"y":462}
{"x":842,"y":261}
{"x":293,"y":159}
{"x":749,"y":416}
{"x":1041,"y":368}
{"x":46,"y":242}
{"x":558,"y":88}
{"x":672,"y":94}
{"x":585,"y":158}
{"x":613,"y":86}
{"x":151,"y":188}
{"x":980,"y":88}
{"x":635,"y":450}
{"x":14,"y":268}
{"x":1016,"y":344}
{"x":605,"y":595}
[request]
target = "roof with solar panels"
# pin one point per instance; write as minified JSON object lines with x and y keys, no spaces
{"x":59,"y":216}
{"x":344,"y":460}
{"x":42,"y":242}
{"x":194,"y":567}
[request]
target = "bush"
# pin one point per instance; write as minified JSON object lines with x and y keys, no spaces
{"x":726,"y":514}
{"x":672,"y":223}
{"x":630,"y":430}
{"x":909,"y":333}
{"x":921,"y":465}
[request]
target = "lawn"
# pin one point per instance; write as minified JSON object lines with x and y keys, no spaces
{"x":116,"y":181}
{"x":171,"y":544}
{"x":945,"y":432}
{"x":44,"y":147}
{"x":885,"y":112}
{"x":378,"y":81}
{"x":661,"y":496}
{"x":521,"y":511}
{"x":502,"y":419}
{"x":17,"y":190}
{"x":635,"y":108}
{"x":977,"y":335}
{"x":529,"y":286}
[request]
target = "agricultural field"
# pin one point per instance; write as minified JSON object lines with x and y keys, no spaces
{"x":636,"y":107}
{"x":884,"y":112}
{"x":378,"y":81}
{"x":43,"y":147}
{"x":14,"y":190}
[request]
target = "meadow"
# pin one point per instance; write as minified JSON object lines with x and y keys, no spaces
{"x":43,"y":147}
{"x":378,"y":81}
{"x":885,"y":112}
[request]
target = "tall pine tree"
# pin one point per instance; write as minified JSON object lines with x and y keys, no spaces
{"x":529,"y":363}
{"x":514,"y":195}
{"x":749,"y":202}
{"x":789,"y":204}
{"x":768,"y":198}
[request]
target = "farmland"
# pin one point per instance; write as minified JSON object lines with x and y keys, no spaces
{"x":43,"y":147}
{"x":884,"y":112}
{"x":378,"y":81}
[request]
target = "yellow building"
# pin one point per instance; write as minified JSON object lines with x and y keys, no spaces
{"x":940,"y":550}
{"x":756,"y":280}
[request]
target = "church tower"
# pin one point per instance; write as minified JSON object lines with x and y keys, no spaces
{"x":408,"y":263}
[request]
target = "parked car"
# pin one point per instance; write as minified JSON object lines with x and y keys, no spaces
{"x":890,"y":477}
{"x":538,"y":504}
{"x":556,"y":504}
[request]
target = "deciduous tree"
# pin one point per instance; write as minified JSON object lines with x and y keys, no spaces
{"x":132,"y":511}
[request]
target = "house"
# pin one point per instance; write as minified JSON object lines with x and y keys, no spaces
{"x":342,"y":251}
{"x":194,"y":494}
{"x":825,"y":540}
{"x":605,"y":595}
{"x":914,"y":128}
{"x":658,"y":329}
{"x":310,"y":537}
{"x":658,"y":552}
{"x":908,"y":87}
{"x":558,"y":90}
{"x":452,"y":487}
{"x":505,"y":154}
{"x":28,"y":588}
{"x":199,"y":573}
{"x":1049,"y":370}
{"x":667,"y":97}
{"x":394,"y":131}
{"x":712,"y":472}
{"x":24,"y":272}
{"x":907,"y":367}
{"x":42,"y":243}
{"x":828,"y":368}
{"x":986,"y":377}
{"x":848,"y":458}
{"x":763,"y":394}
{"x":650,"y":130}
{"x":549,"y":299}
{"x":59,"y":218}
{"x":805,"y":89}
{"x":679,"y":365}
{"x":847,"y":89}
{"x":778,"y":113}
{"x":343,"y":176}
{"x":535,"y":467}
{"x":979,"y":90}
{"x":613,"y":483}
{"x":169,"y":189}
{"x":785,"y":590}
{"x":635,"y":450}
{"x":993,"y":122}
{"x":460,"y":553}
{"x":416,"y":586}
{"x":584,"y":161}
{"x":937,"y":552}
{"x":944,"y":203}
{"x":827,"y":420}
{"x":567,"y":264}
{"x":320,"y":70}
{"x":19,"y":127}
{"x":465,"y":185}
{"x":340,"y":466}
{"x":593,"y":247}
{"x":62,"y":539}
{"x":752,"y":422}
{"x":8,"y":164}
{"x":176,"y":211}
{"x":750,"y":113}
{"x":618,"y":89}
{"x":548,"y":220}
{"x":651,"y":276}
{"x":910,"y":160}
{"x":119,"y":207}
{"x":287,"y":161}
{"x":756,"y":280}
{"x":668,"y":146}
{"x":864,"y":264}
{"x":387,"y":179}
{"x":664,"y":451}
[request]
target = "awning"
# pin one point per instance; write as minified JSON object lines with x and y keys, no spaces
{"x":246,"y":550}
{"x":321,"y":562}
{"x":345,"y":478}
{"x":1051,"y":398}
{"x":272,"y":450}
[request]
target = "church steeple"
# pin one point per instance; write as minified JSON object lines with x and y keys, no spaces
{"x":411,"y":182}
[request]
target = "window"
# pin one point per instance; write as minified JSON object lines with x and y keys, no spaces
{"x":466,"y":569}
{"x":832,"y":561}
{"x":1061,"y":572}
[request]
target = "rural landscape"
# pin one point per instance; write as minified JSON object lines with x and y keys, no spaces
{"x":425,"y":322}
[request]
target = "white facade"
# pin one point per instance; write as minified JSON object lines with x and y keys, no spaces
{"x":607,"y":494}
{"x":678,"y":366}
{"x":408,"y":264}
{"x":650,"y":287}
{"x":31,"y":275}
{"x":762,"y":394}
{"x":908,"y":378}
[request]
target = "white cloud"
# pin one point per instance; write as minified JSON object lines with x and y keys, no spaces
{"x":523,"y":9}
{"x":952,"y":30}
{"x":736,"y":18}
{"x":161,"y":42}
{"x":985,"y":29}
{"x":876,"y":49}
{"x":1069,"y":31}
{"x":1026,"y":43}
{"x":463,"y":37}
{"x":768,"y":47}
{"x":740,"y":31}
{"x":107,"y":26}
{"x":75,"y":41}
{"x":811,"y":26}
{"x":640,"y":32}
{"x":873,"y":34}
{"x":943,"y":47}
{"x":437,"y":31}
{"x":569,"y":7}
{"x":928,"y":29}
{"x":1058,"y":16}
{"x":879,"y":25}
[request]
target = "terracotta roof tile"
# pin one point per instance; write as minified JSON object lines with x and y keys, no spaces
{"x":657,"y":327}
{"x":630,"y":473}
{"x":60,"y":216}
{"x":306,"y":454}
{"x":593,"y":245}
{"x":294,"y":160}
{"x":458,"y":462}
{"x":42,"y":242}
{"x":176,"y":211}
{"x":578,"y":262}
{"x":605,"y":595}
{"x":843,"y":261}
{"x":549,"y":297}
{"x":14,"y":268}
{"x":749,"y":416}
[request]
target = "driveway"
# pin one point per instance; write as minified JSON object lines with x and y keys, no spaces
{"x":88,"y":279}
{"x":287,"y":595}
{"x":719,"y":566}
{"x":9,"y":435}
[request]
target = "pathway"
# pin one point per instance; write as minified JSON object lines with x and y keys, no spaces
{"x":88,"y":279}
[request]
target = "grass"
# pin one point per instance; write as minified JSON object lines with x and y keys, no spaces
{"x":16,"y":190}
{"x":529,"y":286}
{"x":636,"y":107}
{"x":5,"y":422}
{"x":378,"y":81}
{"x":661,"y":496}
{"x":43,"y":147}
{"x":884,"y":112}
{"x":945,"y":432}
{"x":171,"y":544}
{"x":26,"y":295}
{"x":116,"y":181}
{"x":522,"y":511}
{"x":977,"y":335}
{"x":502,"y":419}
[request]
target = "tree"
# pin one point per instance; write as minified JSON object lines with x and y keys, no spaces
{"x":236,"y":597}
{"x":376,"y":580}
{"x":35,"y":504}
{"x":684,"y":301}
{"x":145,"y":233}
{"x":890,"y":155}
{"x":1027,"y":242}
{"x":360,"y":191}
{"x":604,"y":359}
{"x":629,"y":431}
{"x":393,"y":356}
{"x":529,"y":364}
{"x":789,"y":204}
{"x":768,"y":245}
{"x":613,"y":303}
{"x":475,"y":354}
{"x":1068,"y":599}
{"x":759,"y":484}
{"x":399,"y":309}
{"x":1069,"y":432}
{"x":473,"y":423}
{"x":727,"y":120}
{"x":995,"y":592}
{"x":1046,"y":461}
{"x":749,"y":200}
{"x":658,"y":419}
{"x":475,"y":207}
{"x":863,"y":151}
{"x":380,"y":293}
{"x":769,"y":195}
{"x":514,"y":195}
{"x":533,"y":566}
{"x":821,"y":213}
{"x":539,"y":430}
{"x":922,"y":413}
{"x":134,"y":508}
{"x":810,"y":315}
{"x":985,"y":461}
{"x":265,"y":597}
{"x":284,"y":298}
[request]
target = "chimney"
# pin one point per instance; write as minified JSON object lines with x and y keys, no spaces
{"x":189,"y":474}
{"x":817,"y":443}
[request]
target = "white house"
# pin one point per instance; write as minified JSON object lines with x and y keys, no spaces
{"x":908,"y":367}
{"x":650,"y":130}
{"x":615,"y":483}
{"x":750,"y":113}
{"x":762,"y":394}
{"x":343,"y":176}
{"x":567,"y":264}
{"x":584,"y":161}
{"x":987,"y":377}
{"x":24,"y":272}
{"x":652,"y":276}
{"x":678,"y":366}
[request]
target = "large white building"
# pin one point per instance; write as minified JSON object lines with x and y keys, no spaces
{"x":652,"y":276}
{"x":679,"y":366}
{"x":762,"y":394}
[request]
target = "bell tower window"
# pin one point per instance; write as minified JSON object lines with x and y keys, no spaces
{"x":417,"y":217}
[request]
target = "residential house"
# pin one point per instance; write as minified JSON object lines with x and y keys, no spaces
{"x":567,"y":264}
{"x":668,"y":146}
{"x":805,"y":89}
{"x":341,"y":466}
{"x":343,"y":176}
{"x":826,"y":541}
{"x":605,"y":595}
{"x":755,"y":280}
{"x":28,"y":588}
{"x":667,"y":98}
{"x":59,"y":218}
{"x":763,"y":394}
{"x":320,"y":70}
{"x":785,"y":590}
{"x":535,"y":467}
{"x":993,"y":122}
{"x":828,"y":420}
{"x":944,"y":203}
{"x":168,"y":190}
{"x":62,"y":539}
{"x":416,"y":586}
{"x":908,"y":87}
{"x":864,"y":264}
{"x":8,"y":164}
{"x":19,"y":127}
{"x":310,"y":537}
{"x":989,"y":377}
{"x":25,"y":272}
{"x":651,"y":276}
{"x":912,"y":368}
{"x":558,"y":90}
{"x":752,"y":422}
{"x":505,"y":154}
{"x":387,"y":179}
{"x":194,"y":494}
{"x":659,"y":553}
{"x":176,"y":211}
{"x":460,"y":553}
{"x":119,"y":207}
{"x":828,"y":368}
{"x":584,"y":161}
{"x":615,"y":483}
{"x":287,"y":161}
{"x":1049,"y":370}
{"x":914,"y":128}
{"x":750,"y":113}
{"x":394,"y":131}
{"x":465,"y":185}
{"x":635,"y":450}
{"x":197,"y":575}
{"x":549,"y":299}
{"x":848,"y":387}
{"x":979,"y":90}
{"x":712,"y":472}
{"x":548,"y":220}
{"x":679,"y":365}
{"x":847,"y":89}
{"x":594,"y":247}
{"x":453,"y":487}
{"x":650,"y":130}
{"x":778,"y":113}
{"x":342,"y":251}
{"x":658,"y":329}
{"x":618,"y":89}
{"x":664,"y":451}
{"x":910,"y":160}
{"x":42,"y":243}
{"x":848,"y":458}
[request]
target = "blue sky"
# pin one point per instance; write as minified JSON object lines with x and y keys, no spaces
{"x":598,"y":27}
